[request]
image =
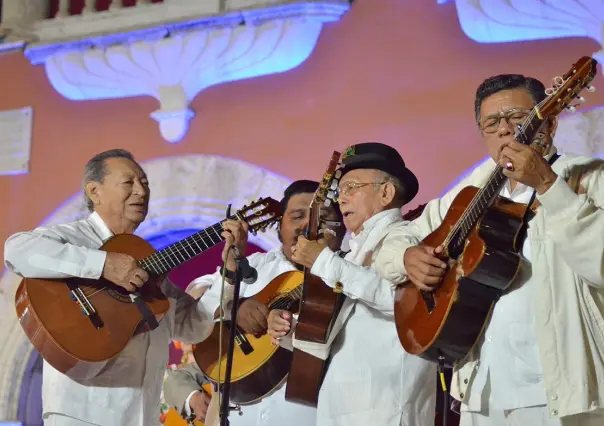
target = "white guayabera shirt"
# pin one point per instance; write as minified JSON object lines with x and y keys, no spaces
{"x":272,"y":410}
{"x":124,"y":391}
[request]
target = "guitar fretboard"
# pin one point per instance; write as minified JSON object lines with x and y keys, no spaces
{"x":488,"y":193}
{"x":174,"y":255}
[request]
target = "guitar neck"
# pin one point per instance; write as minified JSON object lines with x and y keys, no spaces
{"x":487,"y":195}
{"x":176,"y":254}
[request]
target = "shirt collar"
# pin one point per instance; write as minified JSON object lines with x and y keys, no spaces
{"x":391,"y":215}
{"x":99,"y":225}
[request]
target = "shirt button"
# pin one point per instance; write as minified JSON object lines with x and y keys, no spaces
{"x":555,"y":398}
{"x":264,"y":416}
{"x":489,"y":338}
{"x":461,"y":395}
{"x":465,"y":381}
{"x":554,"y":412}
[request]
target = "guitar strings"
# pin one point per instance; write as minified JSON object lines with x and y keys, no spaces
{"x":498,"y":169}
{"x":148,"y":262}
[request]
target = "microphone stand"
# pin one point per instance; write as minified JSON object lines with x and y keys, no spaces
{"x":225,"y":407}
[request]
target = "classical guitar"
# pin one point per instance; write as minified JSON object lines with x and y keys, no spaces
{"x":479,"y":236}
{"x":258,"y":366}
{"x":77,"y":321}
{"x":319,"y":307}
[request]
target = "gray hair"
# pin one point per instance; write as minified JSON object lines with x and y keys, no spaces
{"x":399,"y":189}
{"x":95,"y":170}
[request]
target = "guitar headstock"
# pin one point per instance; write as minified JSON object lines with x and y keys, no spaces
{"x":567,"y":88}
{"x":325,"y":194}
{"x":260,"y":214}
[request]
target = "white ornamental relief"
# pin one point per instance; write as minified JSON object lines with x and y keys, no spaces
{"x":497,"y":21}
{"x":176,"y":68}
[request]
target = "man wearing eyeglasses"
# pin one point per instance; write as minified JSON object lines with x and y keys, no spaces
{"x":540,"y":360}
{"x":370,"y":379}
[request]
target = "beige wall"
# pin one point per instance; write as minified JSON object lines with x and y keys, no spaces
{"x":396,"y":71}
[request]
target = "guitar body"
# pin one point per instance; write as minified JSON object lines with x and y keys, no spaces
{"x":482,"y":234}
{"x":259,"y":367}
{"x":66,"y":337}
{"x":319,"y":308}
{"x":445,"y":324}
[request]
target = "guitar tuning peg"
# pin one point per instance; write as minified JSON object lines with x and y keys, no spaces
{"x":591,"y":89}
{"x":581,"y":99}
{"x":571,"y":108}
{"x":327,"y":202}
{"x":338,"y":174}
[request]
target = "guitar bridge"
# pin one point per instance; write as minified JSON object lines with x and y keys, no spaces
{"x":242,"y":342}
{"x":78,"y":296}
{"x":429,"y":300}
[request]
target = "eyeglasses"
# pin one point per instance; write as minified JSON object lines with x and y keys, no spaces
{"x":349,"y":187}
{"x":514,"y":116}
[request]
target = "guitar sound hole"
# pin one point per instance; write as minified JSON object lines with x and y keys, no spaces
{"x":120,"y":294}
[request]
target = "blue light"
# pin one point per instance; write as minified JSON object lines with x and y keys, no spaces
{"x":176,"y":68}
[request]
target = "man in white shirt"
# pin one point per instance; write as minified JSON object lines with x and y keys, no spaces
{"x":123,"y":391}
{"x":539,"y":361}
{"x":370,"y":379}
{"x":182,"y":387}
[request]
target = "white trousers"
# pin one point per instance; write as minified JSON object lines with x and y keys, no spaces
{"x":62,"y":420}
{"x":531,"y":416}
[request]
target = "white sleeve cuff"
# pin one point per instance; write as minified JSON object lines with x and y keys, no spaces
{"x":325,"y":268}
{"x":94,"y":264}
{"x":558,"y":198}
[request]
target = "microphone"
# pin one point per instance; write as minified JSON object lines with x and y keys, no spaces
{"x":249,"y":275}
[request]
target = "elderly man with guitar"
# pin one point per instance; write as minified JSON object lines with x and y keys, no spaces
{"x":81,"y":302}
{"x":527,"y":263}
{"x":261,"y":392}
{"x":369,"y":380}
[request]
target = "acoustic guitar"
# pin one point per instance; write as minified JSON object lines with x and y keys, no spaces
{"x":77,"y":321}
{"x":319,"y":306}
{"x":481,"y":240}
{"x":259,"y":367}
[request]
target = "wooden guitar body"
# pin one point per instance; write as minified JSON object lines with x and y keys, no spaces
{"x":307,"y":372}
{"x":66,"y":337}
{"x":259,"y":367}
{"x":481,"y":235}
{"x":319,"y":308}
{"x":444,"y":325}
{"x":77,"y":321}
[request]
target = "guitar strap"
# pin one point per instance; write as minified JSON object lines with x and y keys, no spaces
{"x":144,"y":310}
{"x":528,"y":212}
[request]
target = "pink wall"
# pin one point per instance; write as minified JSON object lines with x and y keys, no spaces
{"x":397,"y":71}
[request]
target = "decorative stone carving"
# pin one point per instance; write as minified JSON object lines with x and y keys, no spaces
{"x":495,"y":21}
{"x":173,"y":63}
{"x":17,"y":16}
{"x":190,"y":191}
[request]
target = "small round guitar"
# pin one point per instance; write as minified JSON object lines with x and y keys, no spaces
{"x":258,"y":366}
